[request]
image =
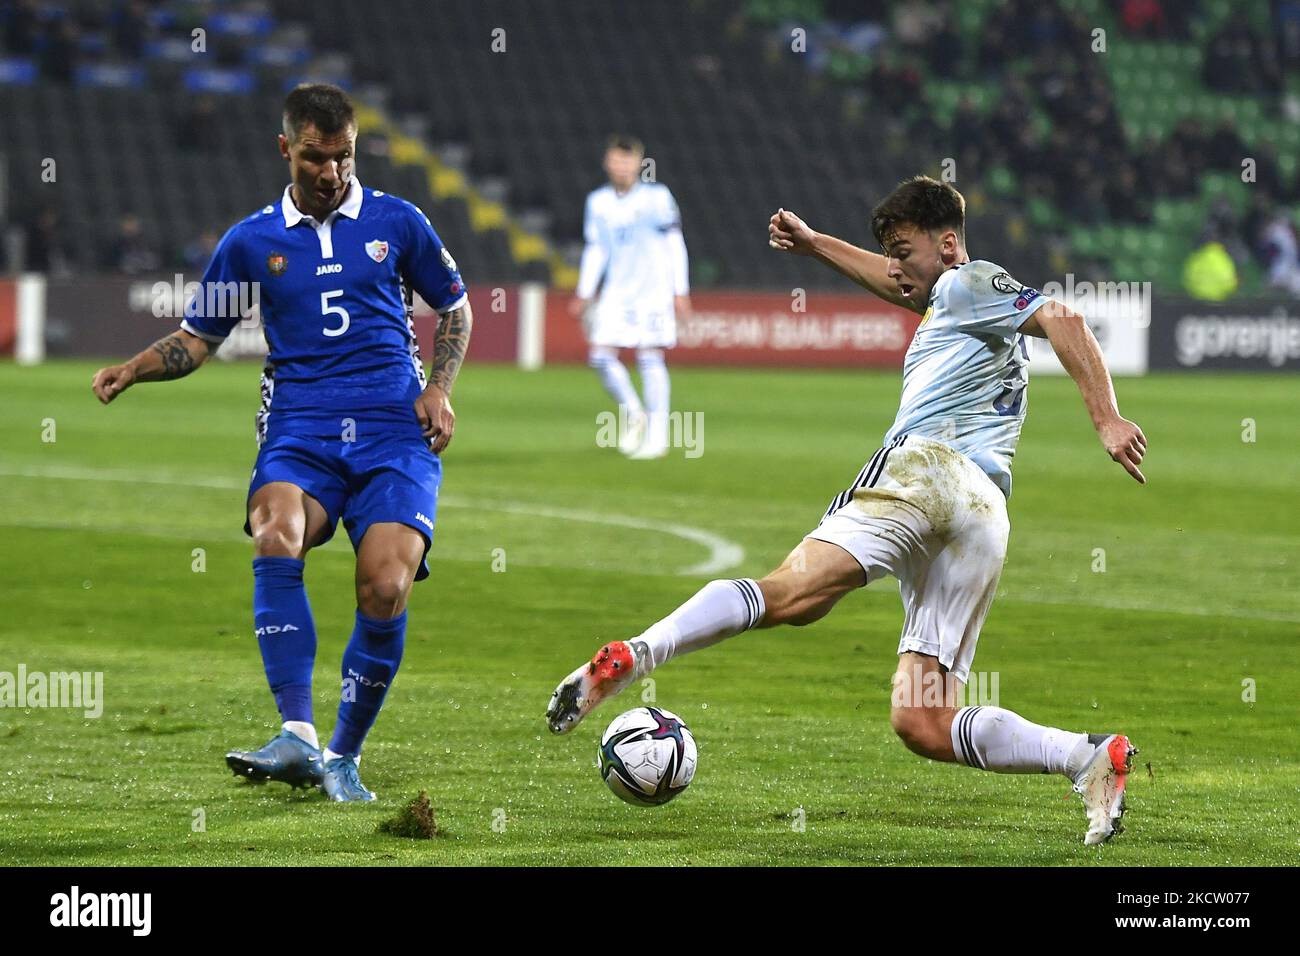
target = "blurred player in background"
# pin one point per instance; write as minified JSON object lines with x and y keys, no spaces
{"x":356,"y":431}
{"x":929,"y":507}
{"x":633,"y":235}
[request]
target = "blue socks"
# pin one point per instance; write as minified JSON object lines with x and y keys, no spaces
{"x":285,"y":633}
{"x":369,"y":666}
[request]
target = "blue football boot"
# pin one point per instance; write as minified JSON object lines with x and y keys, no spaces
{"x":341,"y":782}
{"x":287,"y":758}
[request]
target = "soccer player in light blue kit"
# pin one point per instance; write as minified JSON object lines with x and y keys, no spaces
{"x":349,"y":426}
{"x":636,"y":253}
{"x":928,"y":508}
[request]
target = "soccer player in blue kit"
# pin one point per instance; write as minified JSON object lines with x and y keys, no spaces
{"x":349,"y":427}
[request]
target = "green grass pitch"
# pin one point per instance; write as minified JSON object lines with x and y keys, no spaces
{"x":1187,"y":641}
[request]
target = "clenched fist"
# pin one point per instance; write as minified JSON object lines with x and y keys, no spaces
{"x":788,"y":233}
{"x":111,"y":382}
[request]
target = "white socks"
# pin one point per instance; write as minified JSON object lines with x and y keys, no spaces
{"x":719,"y":610}
{"x":614,"y":376}
{"x":991,"y":738}
{"x":302,"y":729}
{"x":308,"y":733}
{"x":654,"y":381}
{"x":331,"y":755}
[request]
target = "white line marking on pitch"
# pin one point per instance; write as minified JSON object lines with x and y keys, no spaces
{"x":723,"y":553}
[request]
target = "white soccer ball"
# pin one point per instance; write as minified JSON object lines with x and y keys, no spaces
{"x":647,"y":756}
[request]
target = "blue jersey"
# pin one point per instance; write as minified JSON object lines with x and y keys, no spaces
{"x":335,"y":303}
{"x":967,"y":370}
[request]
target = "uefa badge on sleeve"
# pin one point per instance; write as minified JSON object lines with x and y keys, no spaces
{"x":377,"y":249}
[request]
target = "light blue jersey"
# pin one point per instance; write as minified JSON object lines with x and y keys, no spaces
{"x":966,"y":372}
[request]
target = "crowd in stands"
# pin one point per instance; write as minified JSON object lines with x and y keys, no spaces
{"x":53,"y":34}
{"x":61,"y":38}
{"x":1239,"y":60}
{"x":1041,"y":55}
{"x":1038,"y":53}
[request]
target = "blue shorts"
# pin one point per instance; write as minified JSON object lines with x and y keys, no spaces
{"x":386,"y":474}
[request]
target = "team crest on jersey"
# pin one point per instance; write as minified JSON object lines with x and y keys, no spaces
{"x":276,"y":263}
{"x":377,"y":249}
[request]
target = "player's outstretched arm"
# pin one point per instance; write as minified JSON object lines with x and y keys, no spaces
{"x":433,"y":407}
{"x":788,"y":233}
{"x":1081,"y":356}
{"x":173,"y":356}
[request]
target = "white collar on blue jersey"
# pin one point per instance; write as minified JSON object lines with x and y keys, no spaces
{"x":350,"y":207}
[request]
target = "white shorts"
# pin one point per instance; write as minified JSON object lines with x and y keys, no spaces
{"x":614,"y":326}
{"x":929,"y":516}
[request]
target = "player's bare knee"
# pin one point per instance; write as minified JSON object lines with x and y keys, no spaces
{"x":920,"y":729}
{"x":278,"y":538}
{"x":912,"y":728}
{"x":382,"y":594}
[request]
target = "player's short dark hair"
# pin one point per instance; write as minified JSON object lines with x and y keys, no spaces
{"x":921,"y":202}
{"x":321,"y":105}
{"x":629,"y":144}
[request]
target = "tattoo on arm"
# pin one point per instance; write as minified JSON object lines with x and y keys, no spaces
{"x":450,"y":346}
{"x":176,"y":358}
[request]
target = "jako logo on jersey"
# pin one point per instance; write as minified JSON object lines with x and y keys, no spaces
{"x":274,"y":629}
{"x":377,"y":249}
{"x":328,"y":268}
{"x":419,"y":516}
{"x":276,"y":263}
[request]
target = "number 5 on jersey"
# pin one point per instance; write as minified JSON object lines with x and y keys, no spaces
{"x":327,"y":309}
